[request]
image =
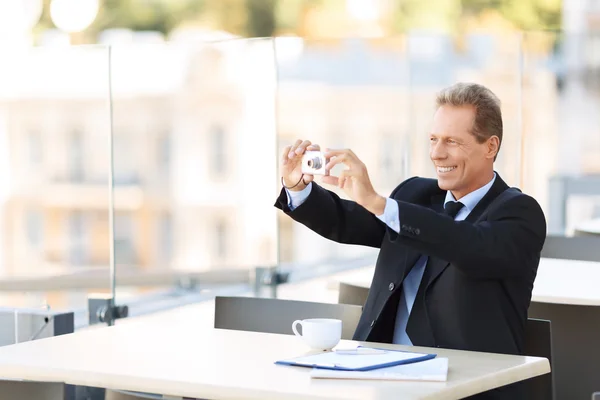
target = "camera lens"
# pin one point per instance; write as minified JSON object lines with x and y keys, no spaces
{"x":315,"y":163}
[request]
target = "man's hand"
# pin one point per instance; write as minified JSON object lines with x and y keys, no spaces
{"x":354,"y":180}
{"x":291,"y":165}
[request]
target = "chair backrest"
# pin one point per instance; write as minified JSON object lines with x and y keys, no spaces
{"x":352,"y":294}
{"x":584,"y":248}
{"x":277,"y":315}
{"x":538,"y":343}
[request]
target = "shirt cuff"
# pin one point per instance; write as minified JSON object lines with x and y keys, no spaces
{"x":295,"y":199}
{"x":391,"y":215}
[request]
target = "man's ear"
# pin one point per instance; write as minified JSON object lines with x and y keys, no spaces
{"x":493,"y":145}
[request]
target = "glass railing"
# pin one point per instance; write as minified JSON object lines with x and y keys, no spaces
{"x":54,"y":169}
{"x":196,"y":123}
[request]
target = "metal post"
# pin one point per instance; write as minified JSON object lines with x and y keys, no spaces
{"x":102,"y":309}
{"x":268,"y":278}
{"x":111,"y":200}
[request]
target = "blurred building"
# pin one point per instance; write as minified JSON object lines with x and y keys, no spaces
{"x":194,"y":166}
{"x":181,"y":124}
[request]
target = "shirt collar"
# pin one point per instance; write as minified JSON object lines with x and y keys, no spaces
{"x":470,"y":200}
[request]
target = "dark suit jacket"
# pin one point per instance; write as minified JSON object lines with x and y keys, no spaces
{"x":480,"y":272}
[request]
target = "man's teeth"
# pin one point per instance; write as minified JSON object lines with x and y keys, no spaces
{"x":445,"y":169}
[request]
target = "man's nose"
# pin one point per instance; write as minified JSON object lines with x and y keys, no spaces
{"x":438,"y":151}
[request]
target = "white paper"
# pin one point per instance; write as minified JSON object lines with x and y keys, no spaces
{"x":354,"y":361}
{"x":435,"y":369}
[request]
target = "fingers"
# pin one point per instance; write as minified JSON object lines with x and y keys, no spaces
{"x":298,"y":148}
{"x":339,"y":180}
{"x":346,"y":157}
{"x":345,"y":175}
{"x":335,"y":161}
{"x":314,"y":147}
{"x":336,"y":153}
{"x":302,"y":148}
{"x":330,"y":180}
{"x":292,"y":152}
{"x":285,"y":153}
{"x":342,"y":178}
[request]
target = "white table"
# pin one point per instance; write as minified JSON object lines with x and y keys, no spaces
{"x":221,"y":364}
{"x":590,"y":227}
{"x":567,"y":282}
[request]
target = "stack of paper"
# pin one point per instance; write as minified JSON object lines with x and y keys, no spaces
{"x":370,"y":363}
{"x":435,"y":369}
{"x":360,"y":359}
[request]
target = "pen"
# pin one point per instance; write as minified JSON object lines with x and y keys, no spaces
{"x":360,"y":351}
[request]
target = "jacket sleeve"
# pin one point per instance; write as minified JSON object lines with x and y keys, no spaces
{"x":499,"y":247}
{"x":342,"y":221}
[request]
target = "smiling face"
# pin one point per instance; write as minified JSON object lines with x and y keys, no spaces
{"x":462,"y":163}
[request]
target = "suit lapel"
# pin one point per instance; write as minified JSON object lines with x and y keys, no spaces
{"x":435,"y":266}
{"x":497,"y":188}
{"x":410,"y":259}
{"x":437,"y":202}
{"x":411,"y":255}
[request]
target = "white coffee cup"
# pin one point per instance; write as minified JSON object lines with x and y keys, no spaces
{"x":319,"y":333}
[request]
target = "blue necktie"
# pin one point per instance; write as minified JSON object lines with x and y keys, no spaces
{"x":452,"y":208}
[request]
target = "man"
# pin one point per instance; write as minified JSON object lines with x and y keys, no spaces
{"x":458,"y":255}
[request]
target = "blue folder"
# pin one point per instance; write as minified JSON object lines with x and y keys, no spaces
{"x":356,"y":362}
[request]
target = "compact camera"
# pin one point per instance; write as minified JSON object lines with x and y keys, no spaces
{"x":313,"y":163}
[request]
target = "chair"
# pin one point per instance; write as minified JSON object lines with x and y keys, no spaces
{"x":352,"y":294}
{"x":538,"y":343}
{"x":130,"y":395}
{"x":276,"y":315}
{"x":584,"y":248}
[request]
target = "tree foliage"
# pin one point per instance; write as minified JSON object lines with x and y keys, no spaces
{"x":523,"y":14}
{"x":269,"y":17}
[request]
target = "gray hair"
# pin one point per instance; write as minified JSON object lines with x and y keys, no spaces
{"x":488,"y":117}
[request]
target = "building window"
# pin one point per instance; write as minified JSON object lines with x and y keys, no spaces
{"x":75,"y":154}
{"x":165,"y":239}
{"x":77,"y":238}
{"x":124,"y":247}
{"x":217,"y":148}
{"x":221,"y":239}
{"x":391,"y":159}
{"x":387,"y":158}
{"x":34,"y":227}
{"x":286,"y":239}
{"x":163,"y":154}
{"x":34,"y":148}
{"x":124,"y":160}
